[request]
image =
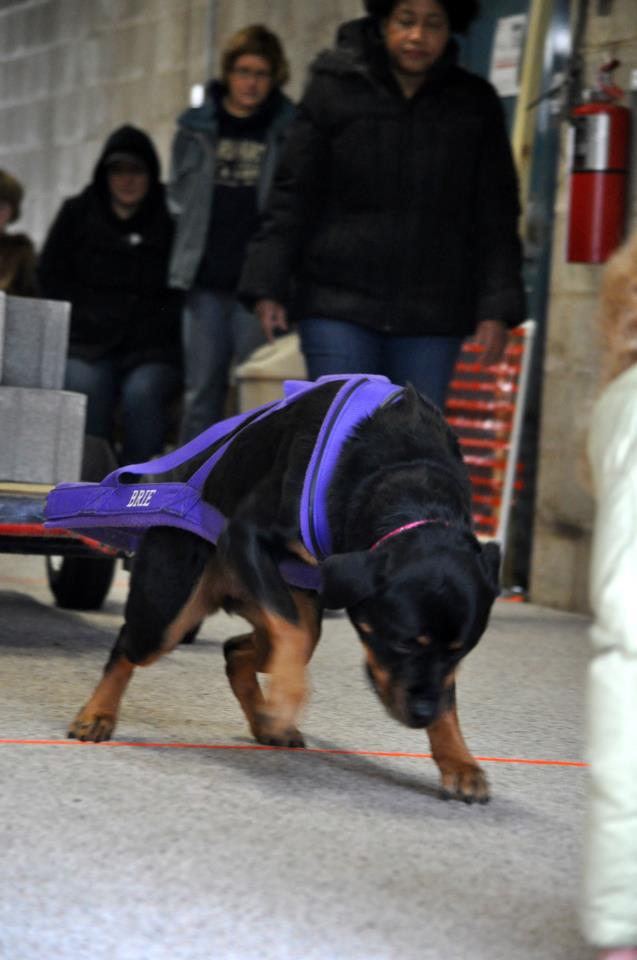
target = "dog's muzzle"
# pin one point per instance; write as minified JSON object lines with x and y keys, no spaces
{"x":413,"y":709}
{"x":420,"y":711}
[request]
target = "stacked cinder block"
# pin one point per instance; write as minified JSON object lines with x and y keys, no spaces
{"x":41,"y":425}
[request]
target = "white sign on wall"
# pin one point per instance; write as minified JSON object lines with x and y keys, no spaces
{"x":506,"y":58}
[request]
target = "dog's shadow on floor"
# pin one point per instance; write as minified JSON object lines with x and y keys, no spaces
{"x":305,"y":772}
{"x":364,"y":782}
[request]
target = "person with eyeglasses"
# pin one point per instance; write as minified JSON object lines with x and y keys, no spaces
{"x":223,"y":158}
{"x":391,"y":230}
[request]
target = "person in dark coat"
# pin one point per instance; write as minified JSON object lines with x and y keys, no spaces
{"x":223,"y":159}
{"x":107,"y":253}
{"x":17,"y":253}
{"x":391,"y":230}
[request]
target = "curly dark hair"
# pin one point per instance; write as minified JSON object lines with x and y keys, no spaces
{"x":460,"y":13}
{"x":11,"y":193}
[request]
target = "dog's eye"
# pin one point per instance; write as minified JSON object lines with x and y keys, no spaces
{"x":412,"y":646}
{"x":403,"y":646}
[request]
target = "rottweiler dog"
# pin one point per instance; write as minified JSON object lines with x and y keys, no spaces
{"x":416,"y":583}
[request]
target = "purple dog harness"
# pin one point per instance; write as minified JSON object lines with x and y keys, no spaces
{"x":122,"y":507}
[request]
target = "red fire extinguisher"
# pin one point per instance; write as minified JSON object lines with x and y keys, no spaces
{"x":599,"y":178}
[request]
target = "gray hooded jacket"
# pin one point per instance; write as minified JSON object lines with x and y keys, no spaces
{"x":192,"y":178}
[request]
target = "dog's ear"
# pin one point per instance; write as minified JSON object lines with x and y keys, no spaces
{"x":255,"y":554}
{"x":348,"y":578}
{"x":411,"y":399}
{"x":490,"y":559}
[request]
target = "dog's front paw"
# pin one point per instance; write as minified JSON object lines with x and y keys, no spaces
{"x":267,"y":732}
{"x":89,"y":725}
{"x":464,"y":781}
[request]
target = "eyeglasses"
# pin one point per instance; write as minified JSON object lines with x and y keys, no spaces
{"x":246,"y":74}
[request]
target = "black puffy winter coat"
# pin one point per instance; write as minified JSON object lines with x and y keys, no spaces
{"x":397,"y":214}
{"x":114,"y":271}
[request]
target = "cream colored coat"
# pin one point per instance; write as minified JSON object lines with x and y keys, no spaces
{"x":609,"y":906}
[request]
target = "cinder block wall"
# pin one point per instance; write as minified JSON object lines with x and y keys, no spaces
{"x":71,"y":71}
{"x":565,"y":510}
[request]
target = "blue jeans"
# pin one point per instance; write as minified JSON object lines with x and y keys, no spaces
{"x":334,"y":346}
{"x":144,"y":393}
{"x":217,"y":329}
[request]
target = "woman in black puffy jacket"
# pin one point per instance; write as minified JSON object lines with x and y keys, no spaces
{"x":391,"y":229}
{"x":107,"y":253}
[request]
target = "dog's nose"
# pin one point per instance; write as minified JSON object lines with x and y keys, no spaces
{"x":421,"y":711}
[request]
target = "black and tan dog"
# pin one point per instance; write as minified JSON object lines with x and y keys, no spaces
{"x":416,"y":583}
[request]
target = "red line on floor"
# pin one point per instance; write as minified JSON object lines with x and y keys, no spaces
{"x":259,"y":746}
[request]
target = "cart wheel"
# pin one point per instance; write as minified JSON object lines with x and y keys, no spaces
{"x":80,"y":583}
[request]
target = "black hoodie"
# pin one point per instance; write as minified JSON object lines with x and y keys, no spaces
{"x":113,"y":271}
{"x":396,"y":214}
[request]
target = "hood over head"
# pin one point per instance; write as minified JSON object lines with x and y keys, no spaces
{"x":128,"y":143}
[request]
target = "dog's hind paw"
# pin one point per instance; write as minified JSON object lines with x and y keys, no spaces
{"x":465,"y":782}
{"x":92,"y":726}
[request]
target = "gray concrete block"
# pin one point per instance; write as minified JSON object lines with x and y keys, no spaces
{"x":36,"y":334}
{"x":41,"y":435}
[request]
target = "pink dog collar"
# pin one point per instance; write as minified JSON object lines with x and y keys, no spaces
{"x":406,"y":526}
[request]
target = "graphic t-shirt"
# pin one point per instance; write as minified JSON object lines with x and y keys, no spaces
{"x":240,"y":150}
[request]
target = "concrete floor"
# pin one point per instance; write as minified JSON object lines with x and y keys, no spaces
{"x":180,"y":840}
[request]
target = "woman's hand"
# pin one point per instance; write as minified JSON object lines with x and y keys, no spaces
{"x":272,"y":316}
{"x":493,"y":336}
